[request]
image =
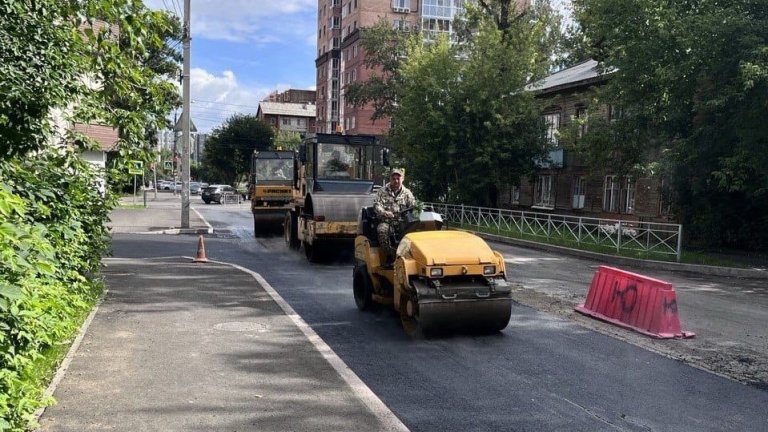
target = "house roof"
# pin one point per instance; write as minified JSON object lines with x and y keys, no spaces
{"x":105,"y":136}
{"x":583,"y":73}
{"x":287,"y":109}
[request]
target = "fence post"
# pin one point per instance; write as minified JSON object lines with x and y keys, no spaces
{"x":578,"y":239}
{"x":679,"y":242}
{"x":461,"y":215}
{"x":498,"y":223}
{"x":618,"y":238}
{"x":522,"y":222}
{"x":549,"y":226}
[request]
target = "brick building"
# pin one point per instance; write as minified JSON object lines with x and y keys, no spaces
{"x":293,"y":96}
{"x":564,"y":184}
{"x":284,"y":116}
{"x":340,"y":56}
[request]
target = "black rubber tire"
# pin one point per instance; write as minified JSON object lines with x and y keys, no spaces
{"x":313,"y":252}
{"x":207,"y":201}
{"x":362,"y":288}
{"x":290,"y":228}
{"x":411,"y":324}
{"x":256,"y":228}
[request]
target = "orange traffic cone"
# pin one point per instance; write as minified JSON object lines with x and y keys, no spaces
{"x":201,"y":258}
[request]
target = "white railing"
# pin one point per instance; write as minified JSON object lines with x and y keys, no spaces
{"x":619,"y":235}
{"x":230,"y":198}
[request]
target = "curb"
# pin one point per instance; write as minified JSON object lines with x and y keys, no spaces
{"x":634,"y":262}
{"x":379,"y":409}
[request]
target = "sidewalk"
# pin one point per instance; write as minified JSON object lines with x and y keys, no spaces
{"x":161,"y":216}
{"x":178,"y":346}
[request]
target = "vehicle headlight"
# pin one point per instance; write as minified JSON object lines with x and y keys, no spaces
{"x":489,"y":270}
{"x":436,"y":272}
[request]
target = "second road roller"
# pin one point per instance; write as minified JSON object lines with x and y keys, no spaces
{"x":440,"y":280}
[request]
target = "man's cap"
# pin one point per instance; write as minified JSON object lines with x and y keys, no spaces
{"x":399,"y":171}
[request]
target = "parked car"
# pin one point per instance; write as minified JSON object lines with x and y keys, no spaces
{"x":164,"y":184}
{"x":216,"y":193}
{"x":194,"y":188}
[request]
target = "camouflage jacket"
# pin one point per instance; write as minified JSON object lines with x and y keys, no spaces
{"x":387,"y":201}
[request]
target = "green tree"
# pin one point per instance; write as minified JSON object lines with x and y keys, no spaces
{"x":463,"y":125}
{"x":384,"y":48}
{"x":287,"y":140}
{"x":229,"y":148}
{"x":58,"y":62}
{"x":692,"y":77}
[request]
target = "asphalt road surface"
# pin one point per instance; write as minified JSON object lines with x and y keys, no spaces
{"x":542,"y":373}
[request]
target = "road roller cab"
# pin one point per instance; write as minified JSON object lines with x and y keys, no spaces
{"x":270,"y":188}
{"x":440,"y":280}
{"x":336,"y":177}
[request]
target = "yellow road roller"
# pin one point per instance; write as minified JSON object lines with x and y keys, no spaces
{"x":440,"y":280}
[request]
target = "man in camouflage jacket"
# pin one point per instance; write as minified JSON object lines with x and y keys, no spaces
{"x":390,"y":201}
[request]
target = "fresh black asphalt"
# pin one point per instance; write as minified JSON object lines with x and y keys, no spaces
{"x":540,"y":374}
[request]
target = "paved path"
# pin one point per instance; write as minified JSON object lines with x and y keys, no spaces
{"x":178,"y":346}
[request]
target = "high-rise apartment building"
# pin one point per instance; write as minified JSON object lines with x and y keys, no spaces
{"x":340,"y":55}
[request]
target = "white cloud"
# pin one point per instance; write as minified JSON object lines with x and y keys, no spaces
{"x":259,"y":22}
{"x":217,"y":97}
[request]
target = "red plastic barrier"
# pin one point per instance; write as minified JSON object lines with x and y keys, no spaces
{"x":633,"y":301}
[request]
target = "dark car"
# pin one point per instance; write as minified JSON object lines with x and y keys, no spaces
{"x":216,"y":193}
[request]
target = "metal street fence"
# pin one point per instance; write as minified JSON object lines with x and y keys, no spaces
{"x":230,"y":198}
{"x":613,"y":234}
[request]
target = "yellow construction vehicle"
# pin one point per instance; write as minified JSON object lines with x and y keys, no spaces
{"x":270,"y":188}
{"x":440,"y":279}
{"x":335,"y":178}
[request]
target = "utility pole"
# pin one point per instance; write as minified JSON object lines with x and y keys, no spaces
{"x":186,"y":120}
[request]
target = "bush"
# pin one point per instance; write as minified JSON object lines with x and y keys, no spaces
{"x":52,"y":236}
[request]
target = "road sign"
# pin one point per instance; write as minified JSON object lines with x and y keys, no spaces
{"x":135,"y":167}
{"x":168,"y":165}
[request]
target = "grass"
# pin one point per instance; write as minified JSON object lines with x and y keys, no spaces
{"x":555,"y":239}
{"x":44,"y":368}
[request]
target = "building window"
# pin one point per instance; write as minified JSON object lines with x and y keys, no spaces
{"x":514,"y":194}
{"x":401,"y":4}
{"x":615,"y":112}
{"x":628,"y":196}
{"x":352,"y":123}
{"x":582,"y":115}
{"x":579,"y":190}
{"x":354,"y":75}
{"x":300,"y":122}
{"x":552,"y":122}
{"x":334,"y":22}
{"x":543,"y":196}
{"x":611,"y":194}
{"x":619,"y":195}
{"x":354,"y":51}
{"x":286,"y":121}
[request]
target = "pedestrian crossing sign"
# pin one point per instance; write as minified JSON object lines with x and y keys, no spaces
{"x":168,"y":165}
{"x":135,"y":167}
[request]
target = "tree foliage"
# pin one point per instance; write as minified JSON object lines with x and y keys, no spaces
{"x":462,"y":124}
{"x":229,"y":147}
{"x":692,"y":77}
{"x":60,"y":66}
{"x":56,"y":57}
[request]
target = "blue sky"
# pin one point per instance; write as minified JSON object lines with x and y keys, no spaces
{"x":244,"y":49}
